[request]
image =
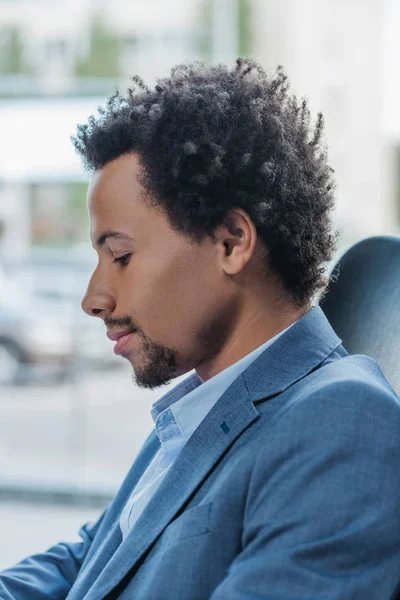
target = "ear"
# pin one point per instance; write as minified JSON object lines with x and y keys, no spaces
{"x":236,"y":240}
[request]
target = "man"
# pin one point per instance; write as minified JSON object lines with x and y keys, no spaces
{"x":273,"y":469}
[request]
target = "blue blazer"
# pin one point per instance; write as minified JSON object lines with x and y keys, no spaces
{"x":288,"y":490}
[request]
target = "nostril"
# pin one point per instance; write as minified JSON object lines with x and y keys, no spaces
{"x":96,"y":311}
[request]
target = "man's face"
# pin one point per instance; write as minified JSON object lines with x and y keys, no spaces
{"x":153,"y":280}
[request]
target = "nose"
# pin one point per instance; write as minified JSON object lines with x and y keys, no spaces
{"x":97,"y":302}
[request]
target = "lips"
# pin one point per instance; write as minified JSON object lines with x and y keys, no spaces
{"x":116,"y":335}
{"x":121,"y":338}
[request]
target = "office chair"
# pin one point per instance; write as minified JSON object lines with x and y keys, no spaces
{"x":363,"y":303}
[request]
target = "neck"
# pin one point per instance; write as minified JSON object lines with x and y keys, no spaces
{"x":255,"y":326}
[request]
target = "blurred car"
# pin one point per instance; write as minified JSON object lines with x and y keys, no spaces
{"x":59,"y":277}
{"x":32,"y":343}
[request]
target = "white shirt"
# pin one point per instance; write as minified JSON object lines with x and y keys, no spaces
{"x":176,"y":415}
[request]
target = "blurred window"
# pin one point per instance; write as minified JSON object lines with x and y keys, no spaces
{"x":59,"y":213}
{"x":55,"y":49}
{"x":130,"y":43}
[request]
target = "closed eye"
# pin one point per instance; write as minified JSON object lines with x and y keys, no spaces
{"x":123,"y":260}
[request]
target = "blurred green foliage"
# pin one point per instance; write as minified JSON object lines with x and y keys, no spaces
{"x":12,"y":55}
{"x":63,"y":221}
{"x":77,"y":200}
{"x":104,"y":51}
{"x":245,"y":28}
{"x":245,"y":35}
{"x":204,"y":40}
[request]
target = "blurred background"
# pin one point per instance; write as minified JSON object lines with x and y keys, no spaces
{"x":71,"y":421}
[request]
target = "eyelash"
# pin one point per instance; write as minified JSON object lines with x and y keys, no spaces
{"x":123,"y":260}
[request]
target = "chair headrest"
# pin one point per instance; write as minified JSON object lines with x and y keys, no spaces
{"x":363,"y":303}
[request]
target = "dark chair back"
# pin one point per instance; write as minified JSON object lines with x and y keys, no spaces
{"x":363,"y":303}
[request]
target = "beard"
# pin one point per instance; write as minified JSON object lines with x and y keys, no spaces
{"x":159,"y":364}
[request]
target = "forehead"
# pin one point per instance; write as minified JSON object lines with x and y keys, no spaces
{"x":113,"y":185}
{"x":116,"y":201}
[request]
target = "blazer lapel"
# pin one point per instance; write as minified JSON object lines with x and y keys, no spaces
{"x":225,"y":422}
{"x":112,"y":536}
{"x":306,"y":344}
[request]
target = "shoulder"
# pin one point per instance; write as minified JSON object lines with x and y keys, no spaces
{"x":352,"y":384}
{"x":345,"y":407}
{"x":341,"y":432}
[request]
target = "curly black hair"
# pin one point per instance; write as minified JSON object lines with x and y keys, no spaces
{"x":211,"y":139}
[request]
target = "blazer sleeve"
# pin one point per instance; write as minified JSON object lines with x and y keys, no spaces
{"x":48,"y":576}
{"x":322,"y":517}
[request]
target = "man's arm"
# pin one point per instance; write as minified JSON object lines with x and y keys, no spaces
{"x":48,"y":576}
{"x":322,"y":517}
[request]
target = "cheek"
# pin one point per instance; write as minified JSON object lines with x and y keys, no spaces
{"x":172,"y":299}
{"x":190,"y":295}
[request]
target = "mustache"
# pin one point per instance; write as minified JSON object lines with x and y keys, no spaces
{"x":125,"y":322}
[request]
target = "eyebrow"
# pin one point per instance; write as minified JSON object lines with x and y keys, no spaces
{"x":116,"y":235}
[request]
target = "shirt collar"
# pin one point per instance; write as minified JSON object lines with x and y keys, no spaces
{"x":182,"y":409}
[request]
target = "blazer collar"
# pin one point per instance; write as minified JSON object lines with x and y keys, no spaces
{"x":303,"y":347}
{"x":291,"y":357}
